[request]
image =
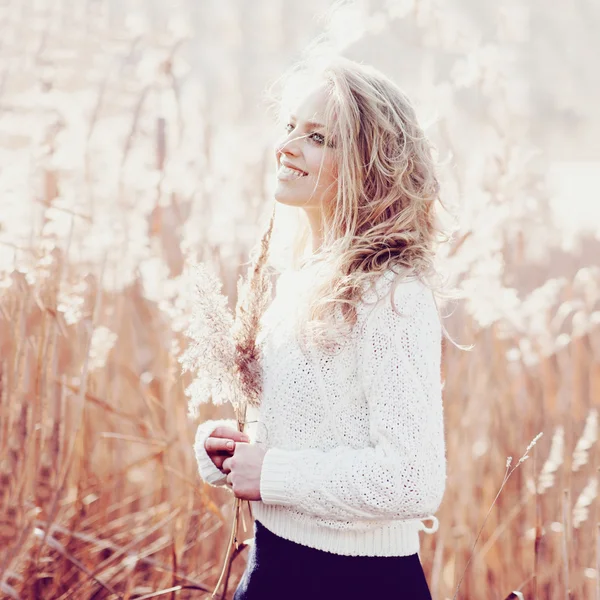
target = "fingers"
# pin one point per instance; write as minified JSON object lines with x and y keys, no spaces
{"x":218,"y":461}
{"x":232,"y":434}
{"x":220,"y":445}
{"x":214,"y":445}
{"x":225,"y":465}
{"x":220,"y":458}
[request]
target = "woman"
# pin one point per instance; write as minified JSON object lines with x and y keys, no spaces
{"x":348,"y":459}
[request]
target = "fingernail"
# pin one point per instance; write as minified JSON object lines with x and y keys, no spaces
{"x":230,"y":445}
{"x":246,"y":438}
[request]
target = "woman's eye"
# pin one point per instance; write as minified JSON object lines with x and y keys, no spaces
{"x":317,"y":137}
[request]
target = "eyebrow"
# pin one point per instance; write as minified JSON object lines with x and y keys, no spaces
{"x":311,"y":124}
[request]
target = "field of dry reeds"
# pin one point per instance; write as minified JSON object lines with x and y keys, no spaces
{"x":134,"y":142}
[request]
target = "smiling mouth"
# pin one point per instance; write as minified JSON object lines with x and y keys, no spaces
{"x":290,"y":173}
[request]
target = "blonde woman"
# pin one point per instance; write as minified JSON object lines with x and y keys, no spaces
{"x":347,"y":461}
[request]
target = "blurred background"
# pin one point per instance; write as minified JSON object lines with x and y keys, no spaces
{"x":136,"y":138}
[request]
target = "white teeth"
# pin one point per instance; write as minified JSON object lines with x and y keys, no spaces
{"x":288,"y":171}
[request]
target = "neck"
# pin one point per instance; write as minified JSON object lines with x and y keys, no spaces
{"x":316,"y":227}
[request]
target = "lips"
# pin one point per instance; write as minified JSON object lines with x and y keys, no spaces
{"x":284,"y":163}
{"x":287,"y":172}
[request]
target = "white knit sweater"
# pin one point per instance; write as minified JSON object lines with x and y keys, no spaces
{"x":355,"y":443}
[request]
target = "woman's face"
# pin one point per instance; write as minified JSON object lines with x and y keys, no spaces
{"x":306,"y":174}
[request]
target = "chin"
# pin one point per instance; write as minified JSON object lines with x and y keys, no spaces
{"x":287,"y":199}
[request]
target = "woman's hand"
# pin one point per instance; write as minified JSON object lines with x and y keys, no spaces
{"x":244,"y":469}
{"x":216,"y":444}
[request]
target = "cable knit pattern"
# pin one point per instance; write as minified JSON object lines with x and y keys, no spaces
{"x":356,"y":451}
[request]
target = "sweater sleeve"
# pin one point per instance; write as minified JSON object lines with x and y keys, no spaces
{"x":207,"y":469}
{"x":401,"y":475}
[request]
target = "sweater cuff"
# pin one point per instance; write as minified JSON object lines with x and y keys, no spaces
{"x":276,"y":478}
{"x":206,"y":468}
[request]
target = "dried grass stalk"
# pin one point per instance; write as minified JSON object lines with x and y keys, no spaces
{"x":225,"y":355}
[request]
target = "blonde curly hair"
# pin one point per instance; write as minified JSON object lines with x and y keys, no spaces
{"x":384,"y":214}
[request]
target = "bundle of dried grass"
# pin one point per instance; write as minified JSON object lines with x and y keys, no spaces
{"x":225,"y":356}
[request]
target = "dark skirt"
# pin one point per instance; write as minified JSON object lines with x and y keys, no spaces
{"x":280,"y":569}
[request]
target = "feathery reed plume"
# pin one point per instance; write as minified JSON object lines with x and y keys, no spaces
{"x":586,"y":441}
{"x":581,"y":508}
{"x":254,"y":295}
{"x":554,"y":460}
{"x":507,"y":475}
{"x":225,"y":355}
{"x":211,"y":354}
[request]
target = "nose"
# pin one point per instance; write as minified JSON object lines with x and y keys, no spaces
{"x":288,"y":146}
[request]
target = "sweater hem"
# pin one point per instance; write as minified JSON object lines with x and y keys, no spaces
{"x":393,"y":538}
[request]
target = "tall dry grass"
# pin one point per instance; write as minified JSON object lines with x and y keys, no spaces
{"x":99,"y":487}
{"x":121,"y":146}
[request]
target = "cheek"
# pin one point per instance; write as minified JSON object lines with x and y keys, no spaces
{"x":326,"y":165}
{"x":312,"y":158}
{"x":329,"y":174}
{"x":331,"y":167}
